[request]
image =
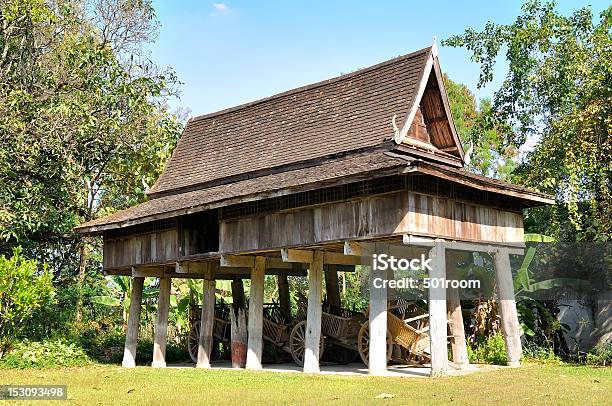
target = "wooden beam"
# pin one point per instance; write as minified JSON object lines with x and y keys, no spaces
{"x":156,"y":272}
{"x":255,"y":323}
{"x":314,"y":314}
{"x":237,"y":261}
{"x":507,"y":308}
{"x":338,"y":258}
{"x":284,"y":298}
{"x":514,"y":249}
{"x":292,"y":255}
{"x":131,"y":337}
{"x":331,"y":285}
{"x":238,"y":301}
{"x":161,"y":323}
{"x":437,"y":312}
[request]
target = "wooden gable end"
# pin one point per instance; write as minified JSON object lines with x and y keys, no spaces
{"x":429,"y":126}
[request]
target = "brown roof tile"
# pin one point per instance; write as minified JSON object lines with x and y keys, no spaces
{"x":342,"y":114}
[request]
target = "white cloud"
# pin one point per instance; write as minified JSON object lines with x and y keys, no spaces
{"x":221,"y":7}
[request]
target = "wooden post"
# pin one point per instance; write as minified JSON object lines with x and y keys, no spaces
{"x":314,"y":314}
{"x":283,"y":294}
{"x":255,"y":322}
{"x":161,"y":323}
{"x":507,"y":307}
{"x":237,"y":294}
{"x":206,"y":322}
{"x":332,"y":287}
{"x":455,"y":316}
{"x":378,"y":323}
{"x":437,"y":310}
{"x":131,"y":337}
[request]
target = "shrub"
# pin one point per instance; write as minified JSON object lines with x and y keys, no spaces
{"x":540,"y":353}
{"x":24,"y":288}
{"x":492,"y":351}
{"x":601,"y":355}
{"x":45,"y":354}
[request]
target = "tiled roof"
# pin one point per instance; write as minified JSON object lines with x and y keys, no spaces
{"x":260,"y":187}
{"x":346,"y":113}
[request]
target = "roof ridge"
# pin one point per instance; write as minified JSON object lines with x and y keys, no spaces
{"x":310,"y":86}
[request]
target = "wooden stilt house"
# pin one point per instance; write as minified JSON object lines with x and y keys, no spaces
{"x":304,"y":180}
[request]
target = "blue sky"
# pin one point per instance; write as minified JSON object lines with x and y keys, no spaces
{"x":230,"y":52}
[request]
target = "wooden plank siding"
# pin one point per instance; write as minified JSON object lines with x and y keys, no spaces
{"x":372,"y":217}
{"x":142,"y":249}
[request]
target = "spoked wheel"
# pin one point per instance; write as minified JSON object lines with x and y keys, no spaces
{"x":341,"y":355}
{"x":297,"y":340}
{"x":363,"y":343}
{"x":193,"y":344}
{"x":193,"y":341}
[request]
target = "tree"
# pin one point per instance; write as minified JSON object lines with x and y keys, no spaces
{"x":557,"y":93}
{"x":84,"y":125}
{"x":24,"y":288}
{"x":478,"y":129}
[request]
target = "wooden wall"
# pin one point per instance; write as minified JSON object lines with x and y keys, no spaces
{"x":391,"y":214}
{"x":140,"y":249}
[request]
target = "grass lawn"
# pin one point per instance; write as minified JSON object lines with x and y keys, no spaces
{"x":531,"y":384}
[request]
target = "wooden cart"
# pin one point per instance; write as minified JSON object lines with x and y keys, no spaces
{"x":407,"y":329}
{"x":340,"y":327}
{"x":221,"y":330}
{"x":286,"y":332}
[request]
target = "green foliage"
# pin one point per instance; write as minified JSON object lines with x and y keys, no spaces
{"x":557,"y":94}
{"x":46,"y":354}
{"x":540,"y":353}
{"x":601,"y":355}
{"x":491,"y":350}
{"x":24,"y":288}
{"x":478,"y":128}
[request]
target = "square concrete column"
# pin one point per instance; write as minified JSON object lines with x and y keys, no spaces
{"x":161,"y":323}
{"x":131,"y":337}
{"x":206,"y":323}
{"x":507,"y":307}
{"x":255,"y":322}
{"x":314,"y":314}
{"x":437,"y":310}
{"x":378,"y":323}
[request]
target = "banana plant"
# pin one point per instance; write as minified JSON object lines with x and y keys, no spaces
{"x":121,"y":291}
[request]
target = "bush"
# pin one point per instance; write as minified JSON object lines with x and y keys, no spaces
{"x":45,"y":354}
{"x":490,"y":351}
{"x":540,"y":353}
{"x":23,"y":290}
{"x":601,"y":355}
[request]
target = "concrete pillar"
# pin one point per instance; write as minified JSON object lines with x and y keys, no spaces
{"x":455,"y":316}
{"x":314,"y":313}
{"x":437,"y":310}
{"x":131,"y":337}
{"x":161,"y":323}
{"x":207,"y":321}
{"x":378,"y":323}
{"x":331,"y":285}
{"x":507,"y":307}
{"x":283,"y":294}
{"x":255,"y":322}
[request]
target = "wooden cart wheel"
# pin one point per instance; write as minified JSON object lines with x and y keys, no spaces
{"x":363,"y":343}
{"x":193,"y":341}
{"x":297,"y":340}
{"x":193,"y":344}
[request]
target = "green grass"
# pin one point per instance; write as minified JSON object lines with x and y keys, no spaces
{"x":531,"y":384}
